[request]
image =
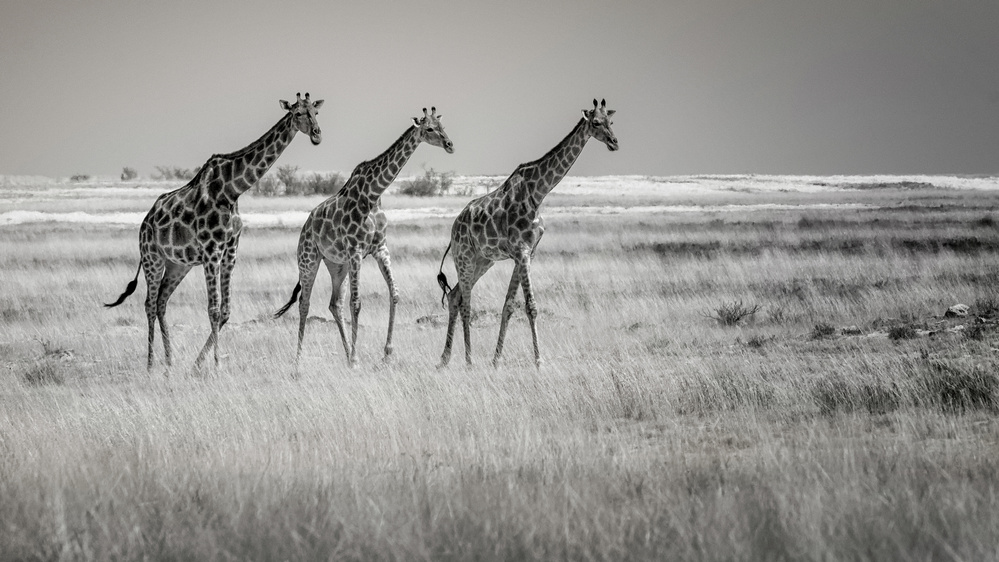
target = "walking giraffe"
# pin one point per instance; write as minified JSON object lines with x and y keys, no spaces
{"x":506,"y":224}
{"x":351,"y":225}
{"x":199,"y":224}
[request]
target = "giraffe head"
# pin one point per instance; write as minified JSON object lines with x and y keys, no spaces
{"x":598,"y":121}
{"x":304,"y":113}
{"x":431,"y":131}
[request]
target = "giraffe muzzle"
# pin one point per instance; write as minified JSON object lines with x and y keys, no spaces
{"x":316,"y":136}
{"x":449,"y":147}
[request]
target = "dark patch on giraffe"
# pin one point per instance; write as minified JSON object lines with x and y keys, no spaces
{"x":191,"y":253}
{"x":238,"y":166}
{"x":522,"y":224}
{"x":187,"y":216}
{"x":212,"y":219}
{"x":163,"y":237}
{"x":181,"y":235}
{"x":393,"y":168}
{"x":204,"y":235}
{"x":202,"y":207}
{"x":219,"y":235}
{"x":355,"y":215}
{"x":214,"y":188}
{"x":210,"y":245}
{"x":225,"y":169}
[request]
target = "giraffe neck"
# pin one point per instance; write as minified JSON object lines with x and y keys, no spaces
{"x":542,"y":175}
{"x":242,"y":169}
{"x":383,"y":169}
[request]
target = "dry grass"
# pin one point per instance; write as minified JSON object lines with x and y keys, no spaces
{"x":652,"y":432}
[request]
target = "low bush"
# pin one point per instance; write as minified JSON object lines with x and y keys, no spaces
{"x":431,"y":184}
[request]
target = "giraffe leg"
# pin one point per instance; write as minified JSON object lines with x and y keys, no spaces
{"x":385,"y":265}
{"x":530,"y":306}
{"x":174,"y":274}
{"x":454,"y":298}
{"x":212,"y":267}
{"x":225,"y":278}
{"x":354,"y":270}
{"x":307,"y":270}
{"x":511,"y":294}
{"x":338,"y":272}
{"x":154,"y":267}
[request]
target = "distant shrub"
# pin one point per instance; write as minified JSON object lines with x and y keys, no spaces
{"x":902,"y":332}
{"x":128,"y":174}
{"x":431,"y":184}
{"x":79,"y":177}
{"x":985,"y":222}
{"x":733,"y":313}
{"x":175,"y":173}
{"x":987,"y":307}
{"x":823,"y":330}
{"x":327,"y":184}
{"x":288,"y":176}
{"x":267,"y":186}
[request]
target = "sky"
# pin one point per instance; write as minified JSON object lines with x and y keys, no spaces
{"x":699,"y":86}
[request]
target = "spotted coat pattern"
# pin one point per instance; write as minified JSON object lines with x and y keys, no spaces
{"x":506,"y":224}
{"x":199,"y":224}
{"x":351,"y":225}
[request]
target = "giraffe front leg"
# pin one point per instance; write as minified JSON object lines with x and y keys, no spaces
{"x":212,"y":267}
{"x":355,"y":304}
{"x":385,"y":264}
{"x":511,"y":294}
{"x":338,"y":272}
{"x":530,"y":306}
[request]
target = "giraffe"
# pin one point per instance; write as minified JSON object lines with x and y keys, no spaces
{"x":506,"y":224}
{"x":199,"y":224}
{"x":351,"y":225}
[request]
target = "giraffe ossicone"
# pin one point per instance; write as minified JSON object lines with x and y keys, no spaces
{"x":506,"y":224}
{"x":199,"y":224}
{"x":344,"y":229}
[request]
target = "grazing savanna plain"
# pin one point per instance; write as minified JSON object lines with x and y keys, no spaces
{"x":735,"y":368}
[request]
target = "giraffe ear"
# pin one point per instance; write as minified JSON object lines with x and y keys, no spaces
{"x":416,"y":121}
{"x":318,"y":103}
{"x":285,"y":105}
{"x":587,"y":113}
{"x":611,"y":112}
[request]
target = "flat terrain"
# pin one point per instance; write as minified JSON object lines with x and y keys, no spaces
{"x":736,"y":368}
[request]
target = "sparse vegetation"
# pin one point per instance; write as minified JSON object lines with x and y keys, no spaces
{"x":128,"y":174}
{"x":175,"y":173}
{"x":286,"y":180}
{"x":432,"y":183}
{"x":733,"y":313}
{"x":79,"y":177}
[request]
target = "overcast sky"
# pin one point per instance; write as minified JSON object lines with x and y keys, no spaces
{"x":700,"y":86}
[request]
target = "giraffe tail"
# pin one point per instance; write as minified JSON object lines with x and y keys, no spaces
{"x":128,"y":289}
{"x":294,"y":297}
{"x":442,"y":279}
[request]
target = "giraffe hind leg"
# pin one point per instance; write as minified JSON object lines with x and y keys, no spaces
{"x":338,"y":272}
{"x":454,"y":300}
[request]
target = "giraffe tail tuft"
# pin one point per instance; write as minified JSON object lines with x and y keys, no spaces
{"x":129,"y":289}
{"x":442,"y":279}
{"x":294,"y":297}
{"x":445,"y":287}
